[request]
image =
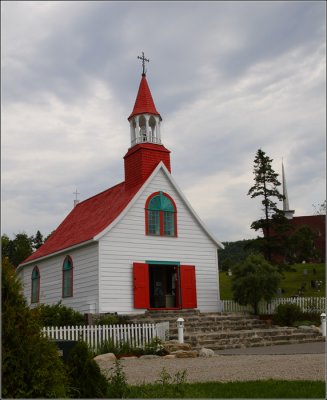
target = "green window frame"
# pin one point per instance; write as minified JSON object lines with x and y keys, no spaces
{"x":67,"y":277}
{"x":161,"y":215}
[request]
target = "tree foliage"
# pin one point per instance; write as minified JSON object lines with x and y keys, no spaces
{"x":253,"y":280}
{"x":59,"y":315}
{"x":273,"y":223}
{"x":301,"y":245}
{"x":21,"y":247}
{"x":320,"y":209}
{"x":31,"y":367}
{"x":234,"y":253}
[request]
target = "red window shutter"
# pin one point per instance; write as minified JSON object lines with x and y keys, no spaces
{"x":141,"y":285}
{"x":188,"y":286}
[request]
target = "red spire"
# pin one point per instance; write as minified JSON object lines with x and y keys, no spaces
{"x":144,"y":102}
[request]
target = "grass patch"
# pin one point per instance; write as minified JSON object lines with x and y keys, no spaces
{"x":272,"y":389}
{"x":292,"y":281}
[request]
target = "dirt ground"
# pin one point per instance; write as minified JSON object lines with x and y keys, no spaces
{"x":225,"y":368}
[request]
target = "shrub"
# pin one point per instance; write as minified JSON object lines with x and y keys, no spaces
{"x":86,"y":379}
{"x":287,"y":314}
{"x":112,"y":319}
{"x":125,"y":348}
{"x":59,"y":315}
{"x":31,"y":367}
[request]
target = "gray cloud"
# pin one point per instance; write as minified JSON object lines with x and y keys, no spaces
{"x":227,"y":78}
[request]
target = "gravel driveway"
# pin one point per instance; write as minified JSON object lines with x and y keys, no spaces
{"x":227,"y":368}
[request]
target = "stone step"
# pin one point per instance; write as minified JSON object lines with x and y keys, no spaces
{"x":213,"y":327}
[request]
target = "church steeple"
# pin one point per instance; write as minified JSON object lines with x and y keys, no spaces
{"x":146,"y":150}
{"x":145,"y":119}
{"x":286,"y":207}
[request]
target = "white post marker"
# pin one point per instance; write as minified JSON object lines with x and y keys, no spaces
{"x":180,"y":327}
{"x":323,"y":324}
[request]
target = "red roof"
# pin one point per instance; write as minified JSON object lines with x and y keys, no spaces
{"x":87,"y":219}
{"x":144,"y":102}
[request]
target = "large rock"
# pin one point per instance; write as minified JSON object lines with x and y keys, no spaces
{"x":174,"y":345}
{"x":185,"y":353}
{"x":206,"y":352}
{"x":105,"y":357}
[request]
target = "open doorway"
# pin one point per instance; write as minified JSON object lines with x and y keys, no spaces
{"x":164,"y":287}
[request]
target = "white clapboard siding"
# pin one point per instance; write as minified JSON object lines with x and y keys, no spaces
{"x":85,"y":282}
{"x":127,"y":243}
{"x":136,"y":335}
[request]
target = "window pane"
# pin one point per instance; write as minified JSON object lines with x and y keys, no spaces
{"x":166,"y":204}
{"x":169,"y":229}
{"x":67,"y":283}
{"x":35,"y":290}
{"x":154,"y":222}
{"x":155,"y":203}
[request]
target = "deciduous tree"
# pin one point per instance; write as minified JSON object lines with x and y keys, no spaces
{"x":253,"y":280}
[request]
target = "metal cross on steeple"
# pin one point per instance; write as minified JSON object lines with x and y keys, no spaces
{"x":76,"y":193}
{"x":76,"y":201}
{"x":143,"y":62}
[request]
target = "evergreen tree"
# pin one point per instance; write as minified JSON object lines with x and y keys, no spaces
{"x":273,"y":224}
{"x":37,"y":240}
{"x":31,"y":367}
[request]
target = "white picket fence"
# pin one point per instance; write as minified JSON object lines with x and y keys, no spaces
{"x":307,"y":304}
{"x":137,"y":335}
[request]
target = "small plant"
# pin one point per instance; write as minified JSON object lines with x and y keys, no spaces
{"x":155,"y":347}
{"x":287,"y":314}
{"x":172,"y":385}
{"x":118,"y":387}
{"x":126,"y":348}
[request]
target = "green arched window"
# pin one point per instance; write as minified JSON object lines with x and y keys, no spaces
{"x":35,"y":297}
{"x":161,"y":215}
{"x":67,"y":277}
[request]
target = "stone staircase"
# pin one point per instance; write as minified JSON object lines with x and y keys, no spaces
{"x":220,"y":331}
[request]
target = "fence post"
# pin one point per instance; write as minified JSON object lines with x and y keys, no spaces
{"x":180,"y":327}
{"x":323,"y":324}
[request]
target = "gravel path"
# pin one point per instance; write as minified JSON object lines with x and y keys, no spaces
{"x":227,"y":368}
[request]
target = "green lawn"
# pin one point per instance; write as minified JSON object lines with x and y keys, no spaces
{"x":271,"y":389}
{"x":292,"y":280}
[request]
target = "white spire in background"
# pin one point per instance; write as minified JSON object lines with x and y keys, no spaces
{"x":286,"y":206}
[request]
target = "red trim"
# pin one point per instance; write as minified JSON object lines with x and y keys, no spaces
{"x":173,"y":308}
{"x":38,"y":285}
{"x":71,"y":280}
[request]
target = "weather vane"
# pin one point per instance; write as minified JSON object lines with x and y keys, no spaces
{"x":143,"y":61}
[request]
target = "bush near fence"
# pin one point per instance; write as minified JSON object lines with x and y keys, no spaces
{"x":307,"y":305}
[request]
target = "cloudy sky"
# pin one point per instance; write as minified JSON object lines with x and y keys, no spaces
{"x":228,"y":78}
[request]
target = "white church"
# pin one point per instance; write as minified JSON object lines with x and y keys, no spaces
{"x":134,"y":247}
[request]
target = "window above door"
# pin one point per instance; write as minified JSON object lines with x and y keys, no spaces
{"x":160,"y":215}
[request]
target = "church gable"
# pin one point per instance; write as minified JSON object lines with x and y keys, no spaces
{"x":138,"y":245}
